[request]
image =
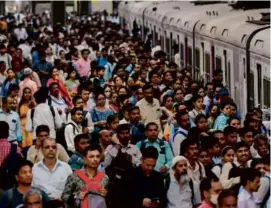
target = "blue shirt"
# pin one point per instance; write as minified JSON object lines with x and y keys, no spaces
{"x":221,"y":122}
{"x":163,"y":159}
{"x":42,"y":66}
{"x":101,"y":61}
{"x":13,"y":120}
{"x":108,"y":72}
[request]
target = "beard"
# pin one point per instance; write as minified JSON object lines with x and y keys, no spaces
{"x":182,"y":178}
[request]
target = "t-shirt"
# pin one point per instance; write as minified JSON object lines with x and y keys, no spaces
{"x":17,"y":199}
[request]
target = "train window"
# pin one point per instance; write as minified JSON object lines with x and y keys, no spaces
{"x":207,"y":66}
{"x":266,"y":93}
{"x":182,"y":54}
{"x":259,"y":43}
{"x":197,"y":64}
{"x":251,"y":89}
{"x":189,"y":57}
{"x":244,"y":39}
{"x":213,"y":30}
{"x":225,"y":33}
{"x":203,"y":26}
{"x":185,"y":24}
{"x":218,"y":62}
{"x":259,"y":78}
{"x":167,"y":45}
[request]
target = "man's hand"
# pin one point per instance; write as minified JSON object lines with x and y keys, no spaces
{"x":146,"y":202}
{"x":82,"y":194}
{"x":163,"y":169}
{"x":103,"y":192}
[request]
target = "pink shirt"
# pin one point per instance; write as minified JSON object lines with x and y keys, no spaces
{"x":204,"y":204}
{"x":83,"y":66}
{"x":27,"y":82}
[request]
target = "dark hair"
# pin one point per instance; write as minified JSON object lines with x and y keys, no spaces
{"x":200,"y":116}
{"x":224,"y":194}
{"x":74,"y":99}
{"x":195,"y":98}
{"x":150,"y":124}
{"x":231,"y":119}
{"x":13,"y":87}
{"x":229,"y":130}
{"x":40,"y":96}
{"x":255,"y":162}
{"x":259,"y":137}
{"x":4,"y":133}
{"x":209,"y":142}
{"x":53,"y":84}
{"x":225,"y":102}
{"x":74,"y":110}
{"x":239,"y":145}
{"x":244,"y":130}
{"x":42,"y":128}
{"x":133,"y":108}
{"x":206,"y":184}
{"x":249,"y":174}
{"x":186,"y":143}
{"x":180,"y":114}
{"x":150,"y":152}
{"x":217,"y":72}
{"x":123,"y":127}
{"x":21,"y":164}
{"x":225,"y":150}
{"x":111,"y":118}
{"x":92,"y":148}
{"x":147,"y":87}
{"x":78,"y":137}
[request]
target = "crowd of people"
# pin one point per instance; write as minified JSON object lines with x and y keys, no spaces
{"x":92,"y":116}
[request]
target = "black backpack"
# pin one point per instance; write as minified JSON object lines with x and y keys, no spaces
{"x":60,"y":136}
{"x":33,"y":111}
{"x":8,"y":168}
{"x":119,"y":168}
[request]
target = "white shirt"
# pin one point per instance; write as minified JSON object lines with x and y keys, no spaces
{"x":43,"y":116}
{"x":196,"y":174}
{"x":7,"y":59}
{"x":177,"y":141}
{"x":52,"y":182}
{"x":26,"y":50}
{"x":70,"y":132}
{"x":20,"y":34}
{"x":246,"y":200}
{"x":156,"y":48}
{"x":60,"y":104}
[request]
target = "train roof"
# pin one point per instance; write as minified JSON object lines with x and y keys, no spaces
{"x":260,"y":43}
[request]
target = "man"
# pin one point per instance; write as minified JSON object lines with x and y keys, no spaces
{"x":58,"y":102}
{"x":211,"y":144}
{"x":89,"y":177}
{"x":230,"y":134}
{"x":42,"y":114}
{"x":251,"y":183}
{"x":149,"y":107}
{"x":124,"y":146}
{"x":242,"y":155}
{"x":137,"y":127}
{"x":220,"y":136}
{"x":246,"y":135}
{"x":190,"y":150}
{"x":105,"y":139}
{"x":218,"y":78}
{"x":20,"y":32}
{"x":210,"y":189}
{"x":34,"y":153}
{"x":42,"y":67}
{"x":146,"y":186}
{"x":83,"y":63}
{"x":51,"y":174}
{"x":207,"y":100}
{"x":164,"y":151}
{"x":262,"y":146}
{"x":13,"y":120}
{"x":33,"y":198}
{"x":227,"y":199}
{"x":81,"y":143}
{"x":73,"y":128}
{"x":4,"y":56}
{"x":183,"y":120}
{"x":182,"y":191}
{"x":23,"y":175}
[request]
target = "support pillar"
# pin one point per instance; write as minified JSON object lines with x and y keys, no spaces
{"x":58,"y":12}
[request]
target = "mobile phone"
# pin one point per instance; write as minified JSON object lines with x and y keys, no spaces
{"x":155,"y":199}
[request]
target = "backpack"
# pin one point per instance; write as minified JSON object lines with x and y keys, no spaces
{"x":119,"y":168}
{"x":60,"y":136}
{"x":33,"y":111}
{"x":267,"y":195}
{"x":161,"y":145}
{"x":191,"y":185}
{"x":8,"y":167}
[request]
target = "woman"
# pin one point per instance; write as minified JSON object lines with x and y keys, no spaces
{"x":213,"y":115}
{"x":11,"y":79}
{"x":100,"y":113}
{"x":62,"y":56}
{"x":62,"y":88}
{"x":50,"y":57}
{"x":25,"y":105}
{"x":113,"y":102}
{"x":167,"y":109}
{"x":200,"y":92}
{"x":222,"y":170}
{"x":201,"y":123}
{"x":235,"y":122}
{"x":72,"y":82}
{"x":118,"y":83}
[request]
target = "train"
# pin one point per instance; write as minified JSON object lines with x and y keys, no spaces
{"x":210,"y":37}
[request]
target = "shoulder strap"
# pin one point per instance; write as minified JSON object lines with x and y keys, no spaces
{"x":74,"y":127}
{"x":267,"y":195}
{"x":162,"y":146}
{"x":179,"y":132}
{"x":53,"y":113}
{"x":82,"y":176}
{"x":191,"y":185}
{"x":143,"y":146}
{"x":32,"y":116}
{"x":200,"y":171}
{"x":167,"y":182}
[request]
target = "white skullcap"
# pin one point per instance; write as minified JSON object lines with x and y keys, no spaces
{"x":177,"y":159}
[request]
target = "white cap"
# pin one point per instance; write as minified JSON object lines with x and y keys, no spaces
{"x":27,"y":71}
{"x":177,"y":159}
